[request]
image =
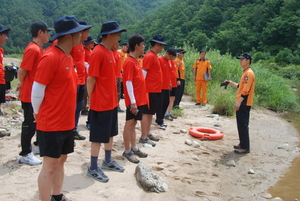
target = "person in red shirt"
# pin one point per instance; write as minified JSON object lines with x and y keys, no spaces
{"x":88,"y":49}
{"x":54,"y":101}
{"x":78,"y":55}
{"x":165,"y":64}
{"x":31,"y":57}
{"x":124,"y":53}
{"x":135,"y":96}
{"x":102,"y":90}
{"x":173,"y":77}
{"x":119,"y":73}
{"x":3,"y":37}
{"x":180,"y":68}
{"x":153,"y":78}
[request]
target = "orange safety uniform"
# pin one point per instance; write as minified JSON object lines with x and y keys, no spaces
{"x":202,"y":67}
{"x":246,"y":86}
{"x":179,"y":68}
{"x":31,"y":58}
{"x":133,"y":72}
{"x":56,"y":71}
{"x":102,"y":66}
{"x":123,"y":56}
{"x":2,"y":72}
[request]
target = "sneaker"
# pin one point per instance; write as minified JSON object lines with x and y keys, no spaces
{"x":168,"y":117}
{"x":198,"y":104}
{"x":97,"y":174}
{"x":77,"y":136}
{"x":203,"y":104}
{"x":173,"y":116}
{"x":113,"y":166}
{"x":36,"y":150}
{"x":120,"y":110}
{"x":140,"y":153}
{"x":162,"y":127}
{"x":144,"y":141}
{"x":130,"y":157}
{"x":64,"y":198}
{"x":4,"y":134}
{"x":152,"y":137}
{"x":30,"y":159}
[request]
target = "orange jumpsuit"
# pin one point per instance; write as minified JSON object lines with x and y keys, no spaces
{"x":201,"y":85}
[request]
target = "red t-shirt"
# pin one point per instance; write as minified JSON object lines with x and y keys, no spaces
{"x":87,"y":57}
{"x":118,"y":63}
{"x":31,"y":58}
{"x":2,"y":72}
{"x":165,"y":69}
{"x":78,"y":55}
{"x":56,"y":70}
{"x":173,"y":73}
{"x":154,"y":74}
{"x":102,"y":66}
{"x":133,"y":72}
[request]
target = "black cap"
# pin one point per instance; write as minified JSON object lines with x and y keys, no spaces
{"x":89,"y":40}
{"x":245,"y":55}
{"x":181,"y":50}
{"x":125,"y":43}
{"x":3,"y":29}
{"x":111,"y":27}
{"x":39,"y":25}
{"x":172,"y":51}
{"x":158,"y":39}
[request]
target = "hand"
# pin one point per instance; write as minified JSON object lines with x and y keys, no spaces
{"x":134,"y":109}
{"x":178,"y":83}
{"x":237,"y":106}
{"x":209,"y":78}
{"x":35,"y":117}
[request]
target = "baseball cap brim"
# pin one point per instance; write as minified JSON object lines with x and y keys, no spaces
{"x":77,"y":29}
{"x":5,"y":30}
{"x":157,"y":41}
{"x":113,"y":31}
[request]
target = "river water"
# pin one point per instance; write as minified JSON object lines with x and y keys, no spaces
{"x":288,"y":187}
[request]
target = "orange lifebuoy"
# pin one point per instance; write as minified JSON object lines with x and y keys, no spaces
{"x":206,"y":133}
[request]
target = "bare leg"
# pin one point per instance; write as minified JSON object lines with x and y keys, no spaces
{"x":129,"y":134}
{"x":146,"y":124}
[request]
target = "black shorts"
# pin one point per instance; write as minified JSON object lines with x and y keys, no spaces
{"x":138,"y":116}
{"x":2,"y":93}
{"x":55,"y":143}
{"x":154,"y":101}
{"x":173,"y":91}
{"x":103,"y":125}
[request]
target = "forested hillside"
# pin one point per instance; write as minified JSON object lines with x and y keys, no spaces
{"x":228,"y":25}
{"x":19,"y":14}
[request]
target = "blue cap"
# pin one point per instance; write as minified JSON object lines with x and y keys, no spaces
{"x":89,"y":40}
{"x":3,"y":29}
{"x":67,"y":25}
{"x":158,"y":39}
{"x":111,"y":27}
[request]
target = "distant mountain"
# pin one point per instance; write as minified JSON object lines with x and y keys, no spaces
{"x":19,"y":14}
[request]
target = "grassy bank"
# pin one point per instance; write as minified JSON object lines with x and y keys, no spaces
{"x":272,"y":91}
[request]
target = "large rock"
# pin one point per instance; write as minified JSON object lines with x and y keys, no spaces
{"x":149,"y":180}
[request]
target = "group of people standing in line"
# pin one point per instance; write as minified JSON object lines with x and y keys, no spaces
{"x":53,"y":83}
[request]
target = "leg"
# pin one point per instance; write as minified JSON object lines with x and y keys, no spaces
{"x":129,"y":134}
{"x":198,"y":85}
{"x":146,"y":124}
{"x":58,"y":177}
{"x":242,"y":117}
{"x":28,"y":129}
{"x":79,"y":103}
{"x":204,"y":92}
{"x":46,"y":176}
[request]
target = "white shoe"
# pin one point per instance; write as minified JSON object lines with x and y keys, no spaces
{"x":36,"y":150}
{"x":30,"y":159}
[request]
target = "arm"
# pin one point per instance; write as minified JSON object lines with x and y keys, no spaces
{"x":195,"y":73}
{"x":209,"y":74}
{"x":145,"y":71}
{"x":91,"y":82}
{"x":21,"y":76}
{"x":133,"y":107}
{"x":37,"y":97}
